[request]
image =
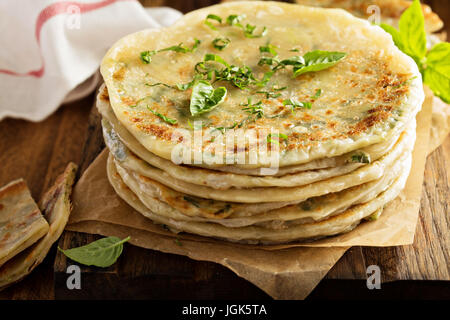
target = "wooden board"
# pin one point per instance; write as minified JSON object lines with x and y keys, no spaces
{"x":38,"y":152}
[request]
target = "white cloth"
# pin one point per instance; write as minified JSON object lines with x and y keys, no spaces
{"x":51,"y":50}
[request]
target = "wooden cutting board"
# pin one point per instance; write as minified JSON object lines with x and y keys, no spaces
{"x":147,"y":274}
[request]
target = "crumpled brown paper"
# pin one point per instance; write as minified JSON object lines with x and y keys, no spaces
{"x":282,"y":271}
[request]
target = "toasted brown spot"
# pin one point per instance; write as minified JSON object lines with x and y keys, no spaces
{"x":119,"y":74}
{"x":158,"y":131}
{"x":128,"y":101}
{"x":104,"y":95}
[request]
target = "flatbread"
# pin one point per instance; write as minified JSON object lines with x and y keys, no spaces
{"x":359,"y":176}
{"x":343,"y":222}
{"x":56,"y":207}
{"x":313,"y":209}
{"x":367,"y":98}
{"x":116,"y":135}
{"x":21,"y":221}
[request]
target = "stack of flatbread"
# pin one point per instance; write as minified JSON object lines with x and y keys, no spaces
{"x":323,"y":150}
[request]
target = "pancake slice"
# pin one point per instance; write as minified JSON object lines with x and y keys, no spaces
{"x":56,"y":207}
{"x":21,"y":221}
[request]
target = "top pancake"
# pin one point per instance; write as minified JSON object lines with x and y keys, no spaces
{"x":366,"y":98}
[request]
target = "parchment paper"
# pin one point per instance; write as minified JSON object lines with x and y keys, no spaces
{"x":283,"y":271}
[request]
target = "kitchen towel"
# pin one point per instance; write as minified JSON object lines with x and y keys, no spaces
{"x":51,"y":50}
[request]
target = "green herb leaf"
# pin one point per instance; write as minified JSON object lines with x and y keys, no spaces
{"x":249,"y":29}
{"x":318,"y":60}
{"x":146,"y":56}
{"x":437,"y":72}
{"x":191,"y":201}
{"x":269,"y":61}
{"x":159,"y":84}
{"x":269,"y":94}
{"x":181,"y":49}
{"x":101,"y":253}
{"x":361,"y":158}
{"x":234,"y":20}
{"x":412,"y":31}
{"x":253,"y":109}
{"x":212,"y":17}
{"x":204,"y":97}
{"x":220,"y":43}
{"x":278,"y":135}
{"x":216,"y":58}
{"x":317,"y":94}
{"x":297,"y":104}
{"x":268,"y":49}
{"x":163,"y":117}
{"x":185,"y":86}
{"x":293,"y":61}
{"x":266,"y":78}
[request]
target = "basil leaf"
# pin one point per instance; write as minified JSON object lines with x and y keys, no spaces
{"x":101,"y":253}
{"x":278,"y":135}
{"x":269,"y":94}
{"x":317,"y":94}
{"x":293,"y":61}
{"x":254,"y":109}
{"x":269,"y":61}
{"x":412,"y":31}
{"x":438,"y":82}
{"x":296,"y":61}
{"x":269,"y":49}
{"x":437,"y":71}
{"x":220,"y":43}
{"x":212,"y":17}
{"x":159,"y":84}
{"x":249,"y":29}
{"x":318,"y":60}
{"x":216,"y":58}
{"x":296,"y":104}
{"x":439,"y":57}
{"x":163,"y":117}
{"x":185,"y":86}
{"x":398,"y":41}
{"x":204,"y":97}
{"x":234,"y":20}
{"x":265,"y":79}
{"x":146,"y":56}
{"x":181,"y":49}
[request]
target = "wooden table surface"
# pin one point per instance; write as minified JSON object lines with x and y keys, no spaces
{"x":38,"y":152}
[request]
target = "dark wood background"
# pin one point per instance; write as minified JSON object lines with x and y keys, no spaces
{"x":38,"y":152}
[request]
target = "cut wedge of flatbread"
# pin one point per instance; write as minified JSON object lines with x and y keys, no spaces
{"x":21,"y":221}
{"x":56,"y":208}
